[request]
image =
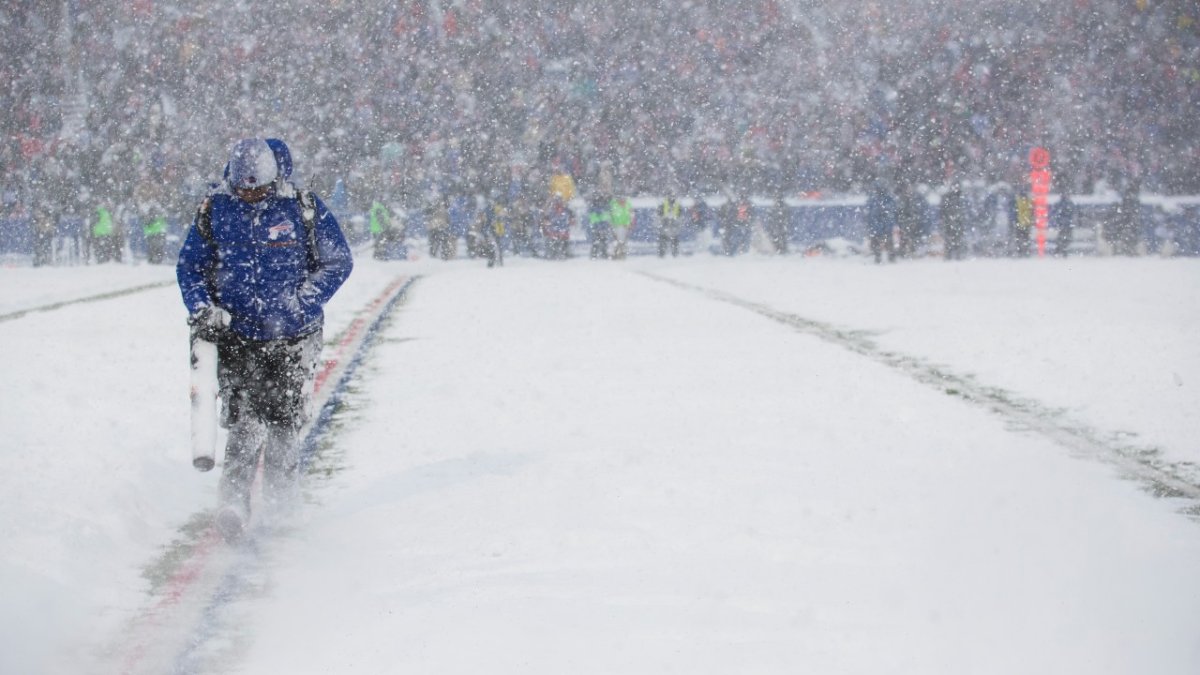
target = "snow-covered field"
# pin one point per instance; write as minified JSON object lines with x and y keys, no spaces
{"x":702,"y":465}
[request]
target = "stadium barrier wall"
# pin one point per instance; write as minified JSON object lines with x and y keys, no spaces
{"x":1174,"y":219}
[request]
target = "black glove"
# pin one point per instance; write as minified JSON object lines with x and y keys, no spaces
{"x":209,"y":324}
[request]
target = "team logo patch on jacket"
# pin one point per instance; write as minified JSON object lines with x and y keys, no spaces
{"x":283,"y":231}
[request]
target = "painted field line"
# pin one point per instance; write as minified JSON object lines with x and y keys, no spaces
{"x":150,"y":629}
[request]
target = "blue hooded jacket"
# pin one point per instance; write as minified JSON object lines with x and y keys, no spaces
{"x":283,"y":157}
{"x":261,"y":265}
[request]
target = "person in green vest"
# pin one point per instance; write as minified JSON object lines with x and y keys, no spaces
{"x":381,"y":225}
{"x":155,"y":232}
{"x":381,"y":220}
{"x":621,"y":215}
{"x":104,"y":237}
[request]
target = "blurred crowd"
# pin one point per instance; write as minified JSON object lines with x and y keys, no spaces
{"x":131,"y":105}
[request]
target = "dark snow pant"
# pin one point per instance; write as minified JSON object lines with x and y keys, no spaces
{"x":495,"y":253}
{"x":956,"y":247}
{"x":106,"y":248}
{"x":1062,"y":245}
{"x":881,"y":242}
{"x":156,"y":248}
{"x":599,"y":243}
{"x":266,"y":390}
{"x":43,"y":247}
{"x":668,"y":243}
{"x":441,"y":244}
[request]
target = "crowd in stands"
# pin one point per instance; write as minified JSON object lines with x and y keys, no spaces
{"x":132,"y":105}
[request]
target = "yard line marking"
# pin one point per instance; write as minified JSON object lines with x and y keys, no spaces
{"x":1163,"y":479}
{"x":91,"y":298}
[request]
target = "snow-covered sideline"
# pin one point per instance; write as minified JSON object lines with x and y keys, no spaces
{"x":585,"y":467}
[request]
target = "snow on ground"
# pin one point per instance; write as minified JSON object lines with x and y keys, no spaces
{"x":94,"y":439}
{"x":1111,"y":340}
{"x":640,"y":467}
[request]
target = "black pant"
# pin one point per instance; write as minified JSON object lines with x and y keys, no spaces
{"x":156,"y":248}
{"x":266,"y":390}
{"x":668,"y":242}
{"x":881,"y":242}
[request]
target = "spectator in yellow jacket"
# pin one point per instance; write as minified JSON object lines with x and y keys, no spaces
{"x":562,"y":185}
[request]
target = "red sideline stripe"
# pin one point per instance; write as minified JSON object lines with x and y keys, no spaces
{"x":176,"y":587}
{"x":193,"y":567}
{"x":353,"y":332}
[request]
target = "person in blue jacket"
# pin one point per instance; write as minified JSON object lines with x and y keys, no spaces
{"x":881,"y":221}
{"x":258,"y":264}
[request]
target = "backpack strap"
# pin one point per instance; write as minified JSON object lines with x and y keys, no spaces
{"x":308,"y":216}
{"x":204,"y":220}
{"x":204,"y":227}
